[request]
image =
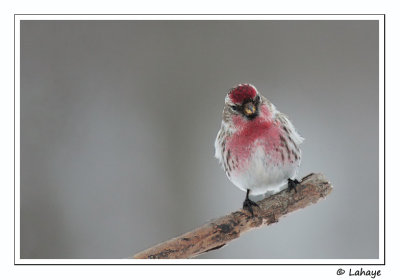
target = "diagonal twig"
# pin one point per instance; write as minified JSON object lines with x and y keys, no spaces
{"x":219,"y":232}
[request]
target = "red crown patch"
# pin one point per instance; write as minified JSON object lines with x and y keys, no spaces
{"x":242,"y":92}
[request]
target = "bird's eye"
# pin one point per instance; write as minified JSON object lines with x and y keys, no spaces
{"x":257,"y":100}
{"x":235,"y":107}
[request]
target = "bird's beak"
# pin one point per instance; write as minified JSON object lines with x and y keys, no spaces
{"x":249,"y":109}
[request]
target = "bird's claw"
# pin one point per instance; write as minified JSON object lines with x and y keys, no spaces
{"x":292,"y":184}
{"x":248,"y":205}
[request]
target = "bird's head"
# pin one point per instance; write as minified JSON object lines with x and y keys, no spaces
{"x":243,"y":100}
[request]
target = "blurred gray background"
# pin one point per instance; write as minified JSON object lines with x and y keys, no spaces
{"x":118,"y":121}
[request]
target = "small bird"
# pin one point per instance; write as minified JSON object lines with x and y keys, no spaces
{"x":257,"y":145}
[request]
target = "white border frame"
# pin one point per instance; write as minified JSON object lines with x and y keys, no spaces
{"x":380,"y":18}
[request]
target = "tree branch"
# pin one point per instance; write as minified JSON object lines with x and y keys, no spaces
{"x":219,"y":232}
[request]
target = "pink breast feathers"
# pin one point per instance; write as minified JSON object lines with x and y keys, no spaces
{"x":250,"y":135}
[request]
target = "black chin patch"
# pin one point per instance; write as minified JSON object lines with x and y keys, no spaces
{"x":252,"y":116}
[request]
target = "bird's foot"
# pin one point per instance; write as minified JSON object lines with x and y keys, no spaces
{"x":248,"y":205}
{"x":292,"y":184}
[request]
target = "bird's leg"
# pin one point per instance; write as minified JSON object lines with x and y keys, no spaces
{"x":248,"y":204}
{"x":292,"y":184}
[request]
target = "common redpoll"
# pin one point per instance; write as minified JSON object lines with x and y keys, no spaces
{"x":257,"y":145}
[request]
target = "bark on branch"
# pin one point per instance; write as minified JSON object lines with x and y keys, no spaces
{"x":219,"y":232}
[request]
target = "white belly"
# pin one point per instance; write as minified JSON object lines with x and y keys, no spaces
{"x":263,"y":174}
